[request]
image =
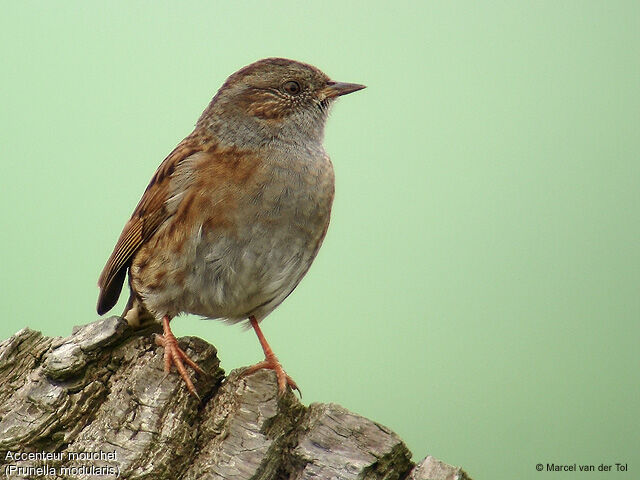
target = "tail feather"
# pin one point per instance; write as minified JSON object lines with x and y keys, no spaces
{"x":110,"y":292}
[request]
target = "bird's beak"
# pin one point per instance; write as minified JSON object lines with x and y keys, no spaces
{"x":336,"y":89}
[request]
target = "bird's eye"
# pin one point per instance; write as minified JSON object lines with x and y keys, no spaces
{"x":291,"y":87}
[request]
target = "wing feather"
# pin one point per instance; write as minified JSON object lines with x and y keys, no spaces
{"x":147,"y":217}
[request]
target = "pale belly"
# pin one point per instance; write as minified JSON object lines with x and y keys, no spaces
{"x":249,"y":268}
{"x":235,"y":279}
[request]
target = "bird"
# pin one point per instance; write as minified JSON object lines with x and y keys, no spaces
{"x":234,"y":216}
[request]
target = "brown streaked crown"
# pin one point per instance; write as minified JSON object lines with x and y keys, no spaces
{"x":270,"y":89}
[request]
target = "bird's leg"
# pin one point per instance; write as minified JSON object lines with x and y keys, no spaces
{"x":173,"y":354}
{"x":270,"y":362}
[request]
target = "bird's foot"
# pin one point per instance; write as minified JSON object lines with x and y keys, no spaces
{"x":272,"y":363}
{"x":173,"y":354}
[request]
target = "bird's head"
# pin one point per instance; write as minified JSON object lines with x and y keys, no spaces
{"x":276,"y":98}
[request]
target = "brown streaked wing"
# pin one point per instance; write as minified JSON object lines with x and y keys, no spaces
{"x":145,"y":220}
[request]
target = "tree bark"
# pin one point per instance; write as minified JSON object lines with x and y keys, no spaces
{"x":98,"y":404}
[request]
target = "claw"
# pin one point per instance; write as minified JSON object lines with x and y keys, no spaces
{"x":173,"y":354}
{"x":270,"y":362}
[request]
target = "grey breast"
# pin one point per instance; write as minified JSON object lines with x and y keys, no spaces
{"x":282,"y":217}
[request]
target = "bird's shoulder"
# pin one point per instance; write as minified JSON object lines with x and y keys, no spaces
{"x":148,"y":215}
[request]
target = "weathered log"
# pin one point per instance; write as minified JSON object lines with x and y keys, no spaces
{"x":98,"y":404}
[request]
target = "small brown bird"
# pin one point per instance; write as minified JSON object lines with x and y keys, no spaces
{"x":234,"y":216}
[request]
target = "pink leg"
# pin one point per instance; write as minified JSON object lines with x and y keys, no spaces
{"x":173,"y":354}
{"x":270,"y":362}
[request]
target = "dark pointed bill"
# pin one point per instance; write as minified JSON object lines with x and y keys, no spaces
{"x":336,"y":89}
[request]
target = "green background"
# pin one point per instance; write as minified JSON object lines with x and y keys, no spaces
{"x":478,"y":288}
